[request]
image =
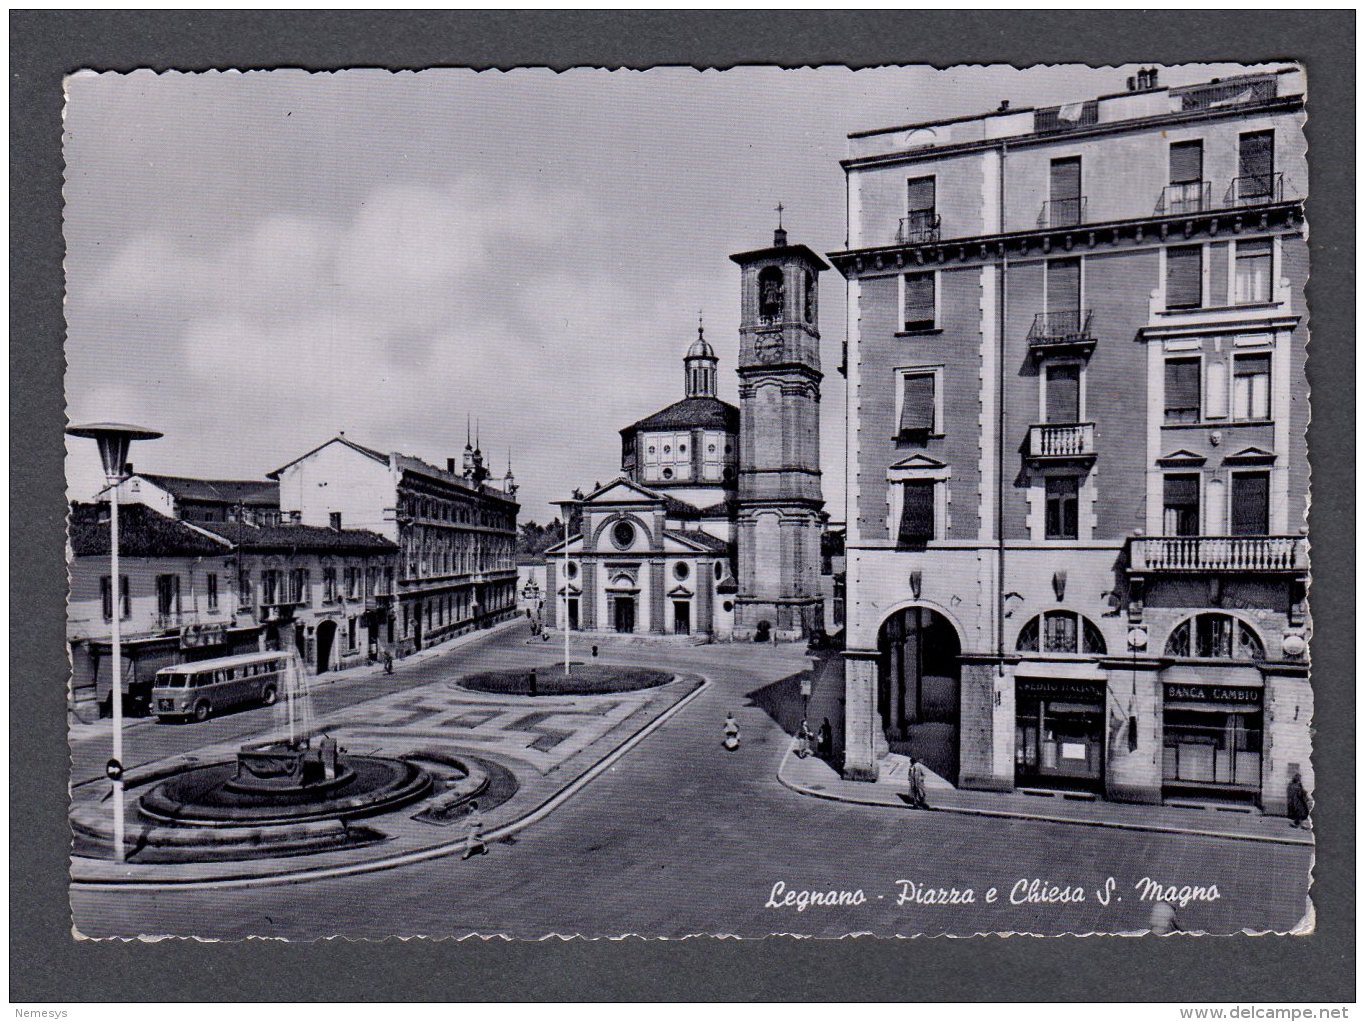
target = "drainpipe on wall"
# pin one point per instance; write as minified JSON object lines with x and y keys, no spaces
{"x":1000,"y":434}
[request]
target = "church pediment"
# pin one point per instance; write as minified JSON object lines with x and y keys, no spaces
{"x":1181,"y":457}
{"x":623,"y":491}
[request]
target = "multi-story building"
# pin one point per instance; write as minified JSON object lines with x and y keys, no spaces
{"x":1077,"y":473}
{"x":196,"y":590}
{"x":456,"y":534}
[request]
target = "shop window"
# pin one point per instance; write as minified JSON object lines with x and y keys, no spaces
{"x":1214,"y":637}
{"x":1061,"y":631}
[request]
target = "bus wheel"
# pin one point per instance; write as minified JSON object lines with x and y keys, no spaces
{"x":201,"y":711}
{"x":269,"y":695}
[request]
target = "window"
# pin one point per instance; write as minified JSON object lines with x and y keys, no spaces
{"x":919,"y":209}
{"x":299,"y":589}
{"x":1061,"y":504}
{"x":681,"y":571}
{"x":1215,"y":637}
{"x":920,"y":307}
{"x":1182,"y":390}
{"x":1251,"y":387}
{"x":1184,"y":277}
{"x":571,"y":570}
{"x":771,"y":294}
{"x":1057,"y":631}
{"x":1255,"y":260}
{"x":168,"y":596}
{"x":810,"y":296}
{"x":623,"y":534}
{"x":211,"y":583}
{"x":334,"y":520}
{"x":1250,"y":504}
{"x":917,"y":514}
{"x":244,"y":588}
{"x":1186,"y":191}
{"x":1063,"y":286}
{"x":1180,"y":505}
{"x":917,"y":418}
{"x":107,"y":598}
{"x":1065,"y":205}
{"x":1256,"y":167}
{"x":1062,"y":402}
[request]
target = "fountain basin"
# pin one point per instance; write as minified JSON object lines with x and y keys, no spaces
{"x":217,"y":795}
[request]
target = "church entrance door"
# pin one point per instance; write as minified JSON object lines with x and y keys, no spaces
{"x":624,"y":611}
{"x":682,"y":617}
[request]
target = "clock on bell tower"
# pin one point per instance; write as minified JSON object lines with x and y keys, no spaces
{"x":779,"y":501}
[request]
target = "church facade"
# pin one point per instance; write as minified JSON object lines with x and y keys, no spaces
{"x":712,"y":529}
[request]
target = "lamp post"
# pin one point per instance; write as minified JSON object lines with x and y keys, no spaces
{"x":113,"y":439}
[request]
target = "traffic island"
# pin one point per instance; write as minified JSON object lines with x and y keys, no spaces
{"x":581,"y":680}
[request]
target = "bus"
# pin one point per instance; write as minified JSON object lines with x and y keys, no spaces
{"x":198,"y":690}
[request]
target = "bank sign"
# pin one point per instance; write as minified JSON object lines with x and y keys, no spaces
{"x":1213,"y":694}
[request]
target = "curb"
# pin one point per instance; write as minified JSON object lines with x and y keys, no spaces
{"x":1007,"y":814}
{"x":417,"y":855}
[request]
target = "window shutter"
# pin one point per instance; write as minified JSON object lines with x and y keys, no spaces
{"x":1184,"y":268}
{"x":1182,"y":383}
{"x":917,"y":512}
{"x":1251,"y":504}
{"x":919,"y":300}
{"x":917,"y":409}
{"x":1065,"y":181}
{"x":1063,"y":394}
{"x":1256,"y":152}
{"x":1063,"y":285}
{"x":1187,"y":162}
{"x":920,"y":195}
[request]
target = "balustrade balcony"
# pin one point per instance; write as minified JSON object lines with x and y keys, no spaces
{"x":1266,"y":554}
{"x":1069,"y":441}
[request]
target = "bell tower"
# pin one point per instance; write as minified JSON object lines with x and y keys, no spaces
{"x":780,"y":501}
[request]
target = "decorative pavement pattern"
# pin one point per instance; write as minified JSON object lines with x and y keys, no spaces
{"x":546,"y":742}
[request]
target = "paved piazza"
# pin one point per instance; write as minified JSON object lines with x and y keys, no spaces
{"x":677,"y":836}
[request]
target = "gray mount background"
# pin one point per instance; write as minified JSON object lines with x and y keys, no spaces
{"x":47,"y":964}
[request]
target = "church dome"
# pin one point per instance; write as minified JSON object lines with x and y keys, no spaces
{"x":701,"y":348}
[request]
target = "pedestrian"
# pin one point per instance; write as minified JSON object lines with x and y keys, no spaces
{"x":473,"y":840}
{"x":731,"y":732}
{"x":1299,"y":803}
{"x":388,"y":662}
{"x":803,"y":740}
{"x":826,"y":740}
{"x":918,"y":798}
{"x":1163,"y":919}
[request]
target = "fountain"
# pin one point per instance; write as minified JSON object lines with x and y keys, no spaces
{"x":296,"y":778}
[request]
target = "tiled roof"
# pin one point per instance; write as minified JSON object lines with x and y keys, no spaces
{"x":701,"y":412}
{"x":142,"y":533}
{"x":253,"y":492}
{"x":298,"y":537}
{"x":700,"y":538}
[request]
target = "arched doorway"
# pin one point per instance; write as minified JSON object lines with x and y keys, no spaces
{"x":326,"y":637}
{"x":919,"y":683}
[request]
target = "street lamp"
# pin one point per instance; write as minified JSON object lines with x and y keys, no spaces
{"x":113,"y":439}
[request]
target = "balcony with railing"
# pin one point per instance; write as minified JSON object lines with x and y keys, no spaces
{"x":1255,"y":190}
{"x":1227,"y":93}
{"x":1264,"y":554}
{"x":1068,"y":212}
{"x":1185,"y":197}
{"x":1067,"y":331}
{"x":921,"y":227}
{"x":1064,"y":441}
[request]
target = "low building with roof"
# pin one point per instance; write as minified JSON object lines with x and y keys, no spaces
{"x":203,"y":500}
{"x":199,"y":590}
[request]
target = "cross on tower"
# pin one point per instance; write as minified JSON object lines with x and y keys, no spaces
{"x":780,"y":207}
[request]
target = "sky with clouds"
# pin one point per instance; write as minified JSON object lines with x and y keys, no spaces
{"x":258,"y":261}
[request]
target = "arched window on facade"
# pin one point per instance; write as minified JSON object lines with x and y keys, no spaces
{"x":1215,"y":637}
{"x":771,"y":294}
{"x":810,"y":296}
{"x":1061,"y":631}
